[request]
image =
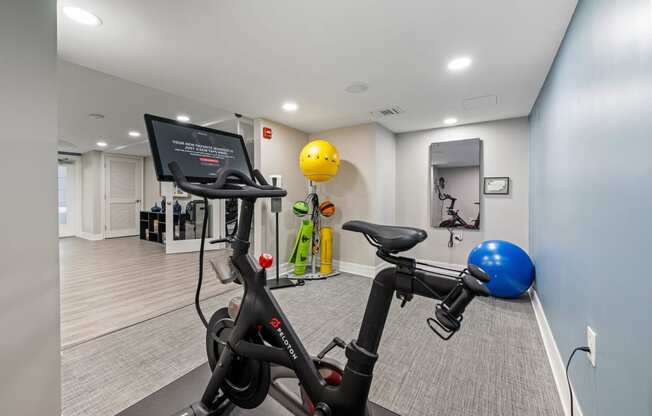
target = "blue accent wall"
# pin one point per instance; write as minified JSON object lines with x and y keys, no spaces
{"x":591,"y":202}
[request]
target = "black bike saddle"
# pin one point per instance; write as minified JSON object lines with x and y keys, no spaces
{"x":390,"y":239}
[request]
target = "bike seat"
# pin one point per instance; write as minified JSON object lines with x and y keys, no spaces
{"x":390,"y":239}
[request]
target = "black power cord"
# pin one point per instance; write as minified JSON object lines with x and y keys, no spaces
{"x":201,"y":265}
{"x":570,"y":390}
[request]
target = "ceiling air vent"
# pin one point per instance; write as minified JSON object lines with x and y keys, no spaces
{"x":479,"y":103}
{"x":387,"y":112}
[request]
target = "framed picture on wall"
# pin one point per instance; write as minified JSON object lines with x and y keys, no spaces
{"x":496,"y":185}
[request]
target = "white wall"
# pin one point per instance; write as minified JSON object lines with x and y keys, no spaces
{"x":385,"y":198}
{"x":363,"y":189}
{"x":151,"y":186}
{"x":352,"y":190}
{"x":92,"y":194}
{"x":384,"y":207}
{"x":279,"y":156}
{"x":505,"y":153}
{"x":29,"y":295}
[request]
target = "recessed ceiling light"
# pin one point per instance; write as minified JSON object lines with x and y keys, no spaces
{"x":82,"y":16}
{"x":183,"y":118}
{"x":450,"y":120}
{"x":460,"y":63}
{"x":134,"y":133}
{"x":101,"y":144}
{"x":357,"y":88}
{"x":290,"y":106}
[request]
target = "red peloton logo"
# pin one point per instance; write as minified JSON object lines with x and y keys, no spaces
{"x":276,"y":324}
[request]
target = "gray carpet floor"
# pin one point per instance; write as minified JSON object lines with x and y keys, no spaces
{"x":495,"y":366}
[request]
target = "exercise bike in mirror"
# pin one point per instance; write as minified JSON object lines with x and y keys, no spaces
{"x":455,"y":184}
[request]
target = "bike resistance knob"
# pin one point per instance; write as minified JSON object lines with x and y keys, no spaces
{"x":265,"y":260}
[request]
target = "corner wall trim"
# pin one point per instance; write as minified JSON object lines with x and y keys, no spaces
{"x":90,"y":237}
{"x":554,"y":357}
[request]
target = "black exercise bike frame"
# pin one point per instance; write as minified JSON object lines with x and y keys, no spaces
{"x":260,"y":310}
{"x":456,"y":220}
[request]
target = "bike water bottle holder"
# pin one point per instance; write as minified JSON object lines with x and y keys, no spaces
{"x":447,"y":323}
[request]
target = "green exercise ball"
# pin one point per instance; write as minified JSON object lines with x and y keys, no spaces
{"x":300,"y":208}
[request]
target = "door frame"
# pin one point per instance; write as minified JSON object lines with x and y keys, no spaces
{"x":103,"y":189}
{"x":77,"y":202}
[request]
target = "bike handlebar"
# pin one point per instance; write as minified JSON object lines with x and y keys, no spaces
{"x":224,"y":188}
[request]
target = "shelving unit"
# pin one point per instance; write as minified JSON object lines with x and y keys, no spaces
{"x":153,"y":226}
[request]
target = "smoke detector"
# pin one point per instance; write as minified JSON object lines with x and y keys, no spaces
{"x":387,"y":112}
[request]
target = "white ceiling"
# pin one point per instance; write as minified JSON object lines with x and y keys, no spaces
{"x":250,"y":56}
{"x":82,"y":91}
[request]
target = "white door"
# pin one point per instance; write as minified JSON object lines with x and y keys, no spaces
{"x":67,"y":207}
{"x":123,"y":194}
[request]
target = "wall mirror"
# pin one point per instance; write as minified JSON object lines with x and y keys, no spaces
{"x":455,"y":184}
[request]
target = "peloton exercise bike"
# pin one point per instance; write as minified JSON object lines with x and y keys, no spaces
{"x":455,"y":220}
{"x":253,"y":347}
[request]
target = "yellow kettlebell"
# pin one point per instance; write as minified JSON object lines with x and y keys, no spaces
{"x":319,"y":161}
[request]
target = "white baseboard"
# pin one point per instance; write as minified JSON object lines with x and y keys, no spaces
{"x":354,"y":268}
{"x":372,"y":271}
{"x":384,"y":264}
{"x":443,"y":264}
{"x":90,"y":237}
{"x":380,"y":266}
{"x":342,"y":266}
{"x":283,"y":270}
{"x":363,"y":269}
{"x":554,"y":357}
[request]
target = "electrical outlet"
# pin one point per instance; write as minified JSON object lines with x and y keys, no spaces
{"x":590,"y":342}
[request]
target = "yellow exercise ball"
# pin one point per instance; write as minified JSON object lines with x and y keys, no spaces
{"x":319,"y":160}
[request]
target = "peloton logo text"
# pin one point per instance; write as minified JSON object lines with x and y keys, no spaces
{"x":276,"y":324}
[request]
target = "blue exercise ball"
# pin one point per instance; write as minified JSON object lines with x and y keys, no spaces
{"x":510,"y":268}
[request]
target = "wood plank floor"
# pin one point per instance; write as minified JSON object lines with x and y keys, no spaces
{"x":115,"y":283}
